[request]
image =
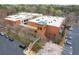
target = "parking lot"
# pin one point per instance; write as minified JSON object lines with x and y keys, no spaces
{"x":75,"y":40}
{"x":71,"y":46}
{"x":9,"y":47}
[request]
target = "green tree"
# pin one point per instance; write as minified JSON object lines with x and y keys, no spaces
{"x":58,"y":12}
{"x":41,"y":9}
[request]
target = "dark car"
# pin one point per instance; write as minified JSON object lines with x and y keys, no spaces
{"x":22,"y":46}
{"x":10,"y":39}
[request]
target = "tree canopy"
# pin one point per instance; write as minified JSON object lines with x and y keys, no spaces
{"x":45,"y":9}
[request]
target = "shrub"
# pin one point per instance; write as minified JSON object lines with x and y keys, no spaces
{"x":57,"y":41}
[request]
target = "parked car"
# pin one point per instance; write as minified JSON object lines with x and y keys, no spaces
{"x":68,"y":43}
{"x":68,"y":37}
{"x":22,"y":46}
{"x":11,"y":39}
{"x":67,"y":50}
{"x":66,"y":40}
{"x":1,"y":33}
{"x":6,"y":36}
{"x":70,"y":29}
{"x":70,"y":47}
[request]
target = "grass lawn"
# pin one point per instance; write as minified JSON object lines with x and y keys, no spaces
{"x":18,"y":38}
{"x":57,"y":41}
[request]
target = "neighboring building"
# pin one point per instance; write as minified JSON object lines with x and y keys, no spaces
{"x":48,"y":27}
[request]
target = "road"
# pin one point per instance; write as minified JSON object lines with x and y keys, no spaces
{"x":8,"y":47}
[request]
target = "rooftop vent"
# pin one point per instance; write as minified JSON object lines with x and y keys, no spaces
{"x":51,"y":21}
{"x":54,"y":20}
{"x":37,"y":19}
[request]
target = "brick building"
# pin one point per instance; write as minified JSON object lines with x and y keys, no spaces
{"x":48,"y":27}
{"x":37,"y":25}
{"x":20,"y":18}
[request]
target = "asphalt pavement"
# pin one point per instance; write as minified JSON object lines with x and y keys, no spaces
{"x":75,"y":40}
{"x":72,"y":49}
{"x":8,"y":47}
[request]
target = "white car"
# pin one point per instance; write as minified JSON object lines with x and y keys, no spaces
{"x":2,"y":33}
{"x":70,"y":53}
{"x":68,"y":37}
{"x":70,"y":29}
{"x":69,"y":43}
{"x":70,"y":47}
{"x":6,"y":36}
{"x":65,"y":40}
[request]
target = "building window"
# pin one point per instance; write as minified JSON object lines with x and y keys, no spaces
{"x":40,"y":28}
{"x":54,"y":35}
{"x":35,"y":31}
{"x":25,"y":20}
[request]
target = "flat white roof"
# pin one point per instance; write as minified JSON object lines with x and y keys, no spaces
{"x":49,"y":20}
{"x":22,"y":16}
{"x":18,"y":17}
